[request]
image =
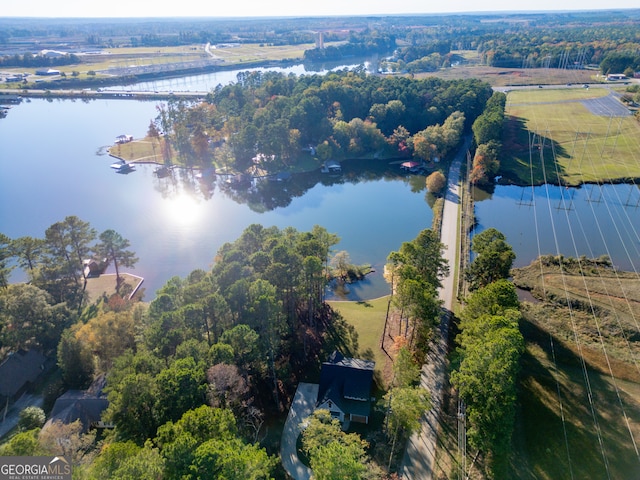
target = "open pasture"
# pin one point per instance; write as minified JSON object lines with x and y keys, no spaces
{"x":557,"y":136}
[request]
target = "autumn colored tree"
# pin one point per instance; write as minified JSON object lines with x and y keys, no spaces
{"x":436,"y":181}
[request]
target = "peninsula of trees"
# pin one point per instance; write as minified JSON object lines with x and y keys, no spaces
{"x":266,"y":120}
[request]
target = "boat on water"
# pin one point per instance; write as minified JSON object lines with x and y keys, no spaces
{"x":120,"y":139}
{"x":123,"y":167}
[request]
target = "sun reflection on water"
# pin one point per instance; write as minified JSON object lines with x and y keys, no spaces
{"x":183,"y":209}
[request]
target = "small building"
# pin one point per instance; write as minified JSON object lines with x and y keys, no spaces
{"x":331,"y":166}
{"x":94,"y":268}
{"x":53,"y":54}
{"x":345,"y":388}
{"x":412,"y":167}
{"x":47,"y":72}
{"x":123,"y":139}
{"x":84,"y":405}
{"x":19,"y":372}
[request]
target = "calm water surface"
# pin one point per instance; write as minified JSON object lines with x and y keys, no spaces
{"x":592,"y":220}
{"x":208,"y":81}
{"x":54,"y":165}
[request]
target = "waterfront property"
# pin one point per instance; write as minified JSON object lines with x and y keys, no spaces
{"x":331,"y":166}
{"x":124,"y":139}
{"x":345,"y":388}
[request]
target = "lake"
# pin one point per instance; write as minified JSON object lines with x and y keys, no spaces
{"x":206,"y":82}
{"x":54,"y":165}
{"x":593,"y":220}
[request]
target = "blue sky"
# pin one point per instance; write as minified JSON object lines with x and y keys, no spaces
{"x":243,"y":8}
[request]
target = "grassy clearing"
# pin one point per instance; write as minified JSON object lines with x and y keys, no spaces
{"x":144,"y":150}
{"x":254,"y":52}
{"x":554,"y":383}
{"x":502,"y":77}
{"x":141,"y":150}
{"x":368,"y":319}
{"x":546,"y":95}
{"x":106,"y":284}
{"x":576,"y":146}
{"x":605,"y":306}
{"x":545,"y":446}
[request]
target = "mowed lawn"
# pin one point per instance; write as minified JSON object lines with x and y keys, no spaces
{"x":552,"y":136}
{"x":368,"y":319}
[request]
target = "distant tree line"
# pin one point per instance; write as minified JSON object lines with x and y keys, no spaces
{"x":621,"y":62}
{"x":359,"y":44}
{"x":566,"y":47}
{"x":29,"y":60}
{"x":427,"y":57}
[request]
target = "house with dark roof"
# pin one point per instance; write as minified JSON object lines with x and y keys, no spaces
{"x":19,"y":372}
{"x":345,"y":388}
{"x":84,"y":405}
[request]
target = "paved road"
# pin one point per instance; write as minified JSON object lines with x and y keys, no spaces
{"x":419,"y":457}
{"x":302,"y":406}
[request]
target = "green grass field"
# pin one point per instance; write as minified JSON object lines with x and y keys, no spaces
{"x":368,"y":319}
{"x":143,"y":56}
{"x":576,"y":146}
{"x":559,"y":433}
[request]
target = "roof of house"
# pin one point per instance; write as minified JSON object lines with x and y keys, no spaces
{"x":84,"y":405}
{"x":346,"y":382}
{"x":20,"y":368}
{"x":332,"y":164}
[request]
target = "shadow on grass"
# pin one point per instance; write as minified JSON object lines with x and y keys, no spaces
{"x":339,"y":335}
{"x":525,"y":155}
{"x":364,"y":303}
{"x":560,"y":440}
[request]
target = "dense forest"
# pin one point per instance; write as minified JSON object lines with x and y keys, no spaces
{"x":194,"y":377}
{"x":358,"y":44}
{"x":268,"y":119}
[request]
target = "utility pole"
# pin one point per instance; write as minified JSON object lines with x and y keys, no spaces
{"x":462,"y":440}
